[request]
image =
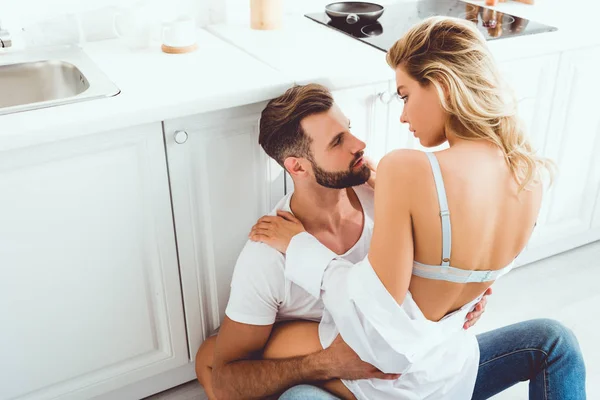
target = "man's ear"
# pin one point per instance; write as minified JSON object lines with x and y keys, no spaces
{"x":295,"y":166}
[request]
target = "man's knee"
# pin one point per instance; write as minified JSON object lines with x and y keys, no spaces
{"x":205,"y":355}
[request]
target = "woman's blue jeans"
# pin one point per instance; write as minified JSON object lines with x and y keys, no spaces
{"x":541,"y":351}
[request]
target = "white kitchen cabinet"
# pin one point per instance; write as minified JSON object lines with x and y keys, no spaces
{"x":221,"y":182}
{"x":533,"y":81}
{"x":596,"y":221}
{"x":90,"y":290}
{"x":573,"y":141}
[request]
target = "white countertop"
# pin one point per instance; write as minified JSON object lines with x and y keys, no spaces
{"x":154,"y":86}
{"x":245,"y":66}
{"x":310,"y":52}
{"x":306,"y":51}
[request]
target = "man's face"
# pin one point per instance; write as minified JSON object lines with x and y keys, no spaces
{"x":336,"y":155}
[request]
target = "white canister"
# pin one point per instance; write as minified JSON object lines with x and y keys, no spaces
{"x":179,"y":35}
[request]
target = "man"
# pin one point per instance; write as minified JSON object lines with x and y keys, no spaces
{"x":305,"y":132}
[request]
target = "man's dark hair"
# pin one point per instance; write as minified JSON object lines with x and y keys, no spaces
{"x":281,"y":134}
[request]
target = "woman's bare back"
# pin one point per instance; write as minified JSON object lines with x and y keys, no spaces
{"x":491,"y":222}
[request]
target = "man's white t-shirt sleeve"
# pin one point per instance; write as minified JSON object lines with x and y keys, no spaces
{"x":257,"y":285}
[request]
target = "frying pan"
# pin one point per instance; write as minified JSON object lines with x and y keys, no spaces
{"x":352,"y":12}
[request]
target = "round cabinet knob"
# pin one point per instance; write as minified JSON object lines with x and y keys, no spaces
{"x":385,"y":97}
{"x":352,"y":19}
{"x":180,"y":137}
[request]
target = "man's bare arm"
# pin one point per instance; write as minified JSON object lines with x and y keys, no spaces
{"x":238,"y":373}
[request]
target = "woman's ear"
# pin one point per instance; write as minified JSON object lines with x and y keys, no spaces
{"x":446,"y":90}
{"x":442,"y":90}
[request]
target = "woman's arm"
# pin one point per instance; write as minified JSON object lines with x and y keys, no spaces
{"x":392,"y":248}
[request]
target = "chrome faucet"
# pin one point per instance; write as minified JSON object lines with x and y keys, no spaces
{"x":5,"y":40}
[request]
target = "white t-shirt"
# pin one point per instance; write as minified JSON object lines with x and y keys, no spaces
{"x":260,"y":292}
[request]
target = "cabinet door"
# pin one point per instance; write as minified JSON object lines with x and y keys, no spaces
{"x":90,"y":290}
{"x":222,"y":182}
{"x":533,"y":81}
{"x":573,"y":141}
{"x":596,"y":220}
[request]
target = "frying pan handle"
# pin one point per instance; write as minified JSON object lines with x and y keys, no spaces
{"x":352,"y":19}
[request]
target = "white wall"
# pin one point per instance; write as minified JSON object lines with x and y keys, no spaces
{"x":60,"y":20}
{"x":36,"y":9}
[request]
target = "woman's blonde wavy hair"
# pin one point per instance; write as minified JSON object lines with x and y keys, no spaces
{"x":452,"y":54}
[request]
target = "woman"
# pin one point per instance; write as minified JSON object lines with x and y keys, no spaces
{"x":446,"y":224}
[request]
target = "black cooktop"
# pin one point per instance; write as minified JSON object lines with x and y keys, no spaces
{"x":398,"y":18}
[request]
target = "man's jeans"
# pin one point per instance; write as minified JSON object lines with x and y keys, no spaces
{"x":541,"y":351}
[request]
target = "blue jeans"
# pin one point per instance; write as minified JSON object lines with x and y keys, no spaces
{"x":541,"y":351}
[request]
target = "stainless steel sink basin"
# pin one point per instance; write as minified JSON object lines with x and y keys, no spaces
{"x":49,"y":77}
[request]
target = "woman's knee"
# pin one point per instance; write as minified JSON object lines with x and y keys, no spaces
{"x":307,"y":392}
{"x":553,"y":331}
{"x":557,"y":338}
{"x":291,"y":339}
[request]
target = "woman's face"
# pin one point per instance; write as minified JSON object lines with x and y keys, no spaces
{"x":422,"y":110}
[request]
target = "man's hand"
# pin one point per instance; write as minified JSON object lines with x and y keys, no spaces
{"x":477,"y":311}
{"x":344,"y":363}
{"x":276,"y":231}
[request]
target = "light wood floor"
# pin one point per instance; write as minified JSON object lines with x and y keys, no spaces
{"x":565,"y":287}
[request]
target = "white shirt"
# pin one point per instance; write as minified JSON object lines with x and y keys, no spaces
{"x":260,"y":292}
{"x":437,"y":360}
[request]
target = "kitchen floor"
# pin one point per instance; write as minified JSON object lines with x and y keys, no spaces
{"x":563,"y":287}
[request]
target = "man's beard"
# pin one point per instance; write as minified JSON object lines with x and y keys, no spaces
{"x":341,"y":179}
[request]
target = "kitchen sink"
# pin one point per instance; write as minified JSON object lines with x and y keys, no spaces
{"x":50,"y":77}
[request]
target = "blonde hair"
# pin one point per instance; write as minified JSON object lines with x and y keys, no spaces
{"x":452,"y":55}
